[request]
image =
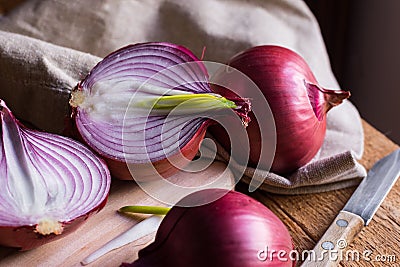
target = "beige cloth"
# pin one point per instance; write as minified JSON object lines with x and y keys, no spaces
{"x":37,"y":76}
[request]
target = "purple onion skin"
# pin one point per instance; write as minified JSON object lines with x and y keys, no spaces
{"x":298,"y":104}
{"x":227,"y":232}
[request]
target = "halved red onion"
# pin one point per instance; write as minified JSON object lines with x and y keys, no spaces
{"x":49,"y":184}
{"x":147,"y":105}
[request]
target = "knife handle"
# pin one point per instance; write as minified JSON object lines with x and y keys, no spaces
{"x":329,"y":250}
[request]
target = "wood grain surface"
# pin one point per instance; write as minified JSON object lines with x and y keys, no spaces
{"x":306,"y":216}
{"x":309,"y":216}
{"x":339,"y":234}
{"x":107,"y":224}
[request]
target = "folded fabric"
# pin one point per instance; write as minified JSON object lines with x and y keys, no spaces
{"x":338,"y":171}
{"x":36,"y":77}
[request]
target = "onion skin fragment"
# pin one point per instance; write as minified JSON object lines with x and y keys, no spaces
{"x":227,"y":232}
{"x":298,"y":104}
{"x":39,"y":171}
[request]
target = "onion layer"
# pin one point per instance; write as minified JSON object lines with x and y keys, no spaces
{"x":230,"y":231}
{"x":49,"y":184}
{"x":147,"y":105}
{"x":298,"y":104}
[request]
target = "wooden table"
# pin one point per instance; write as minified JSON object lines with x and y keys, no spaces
{"x":306,"y":216}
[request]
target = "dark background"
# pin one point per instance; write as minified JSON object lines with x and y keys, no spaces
{"x":363,"y":42}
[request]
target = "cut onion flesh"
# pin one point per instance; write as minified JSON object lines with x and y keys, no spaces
{"x":145,"y":105}
{"x":49,"y":184}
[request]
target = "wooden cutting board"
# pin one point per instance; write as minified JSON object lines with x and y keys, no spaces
{"x":107,"y":224}
{"x":306,"y":217}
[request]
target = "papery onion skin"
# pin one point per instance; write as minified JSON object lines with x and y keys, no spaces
{"x":24,"y":236}
{"x":298,"y":104}
{"x":230,"y":231}
{"x":142,"y":64}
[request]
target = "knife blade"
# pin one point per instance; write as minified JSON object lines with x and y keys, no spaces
{"x":357,"y":212}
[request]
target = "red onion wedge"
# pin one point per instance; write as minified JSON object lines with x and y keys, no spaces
{"x":49,"y":184}
{"x":145,"y":106}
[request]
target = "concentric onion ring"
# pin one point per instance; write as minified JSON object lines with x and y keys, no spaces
{"x":49,"y":184}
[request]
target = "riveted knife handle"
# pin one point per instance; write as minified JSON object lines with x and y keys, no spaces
{"x":330,"y":249}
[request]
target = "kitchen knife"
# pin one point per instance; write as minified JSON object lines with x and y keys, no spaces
{"x":357,"y":212}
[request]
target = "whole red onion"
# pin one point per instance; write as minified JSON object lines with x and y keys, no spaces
{"x":298,"y":104}
{"x":233,"y":231}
